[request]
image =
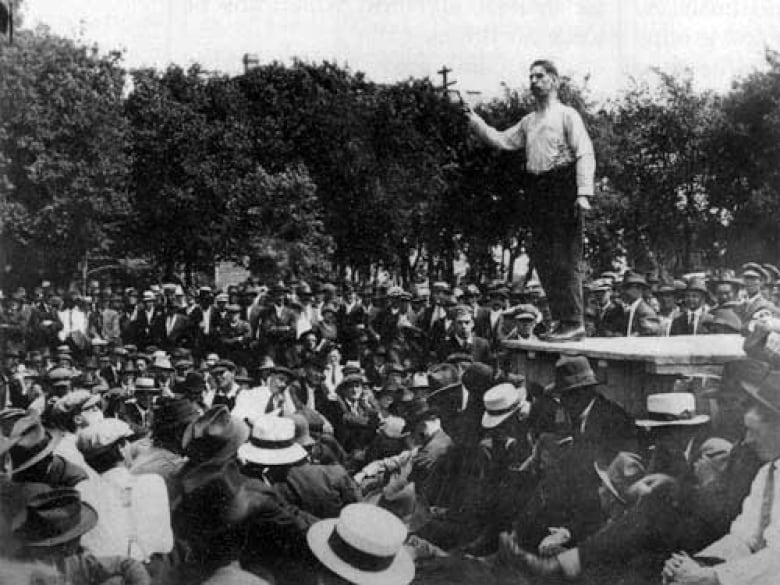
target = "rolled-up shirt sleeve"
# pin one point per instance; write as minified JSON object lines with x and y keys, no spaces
{"x":510,"y":139}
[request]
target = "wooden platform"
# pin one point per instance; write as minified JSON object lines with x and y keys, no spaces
{"x":630,"y":367}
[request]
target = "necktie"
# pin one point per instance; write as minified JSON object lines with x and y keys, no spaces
{"x":766,"y":508}
{"x":691,"y":317}
{"x":333,"y":376}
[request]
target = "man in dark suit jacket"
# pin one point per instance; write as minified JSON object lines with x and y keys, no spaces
{"x":567,"y":494}
{"x":462,"y":340}
{"x":144,"y":320}
{"x":173,"y":329}
{"x":639,"y":318}
{"x":689,"y":321}
{"x":278,"y":326}
{"x":489,"y":320}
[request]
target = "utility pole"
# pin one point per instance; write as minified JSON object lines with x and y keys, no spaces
{"x":444,"y":71}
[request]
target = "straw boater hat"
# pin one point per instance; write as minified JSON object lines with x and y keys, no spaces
{"x":54,"y":517}
{"x":272,"y":442}
{"x":501,"y":402}
{"x":355,"y":548}
{"x":671,"y":409}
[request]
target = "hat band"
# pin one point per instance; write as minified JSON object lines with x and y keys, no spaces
{"x":266,"y":444}
{"x":357,"y":558}
{"x":668,"y":417}
{"x":500,"y":411}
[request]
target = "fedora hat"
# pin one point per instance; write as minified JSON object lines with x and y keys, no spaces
{"x":697,"y":284}
{"x":501,"y":402}
{"x":173,"y":413}
{"x":352,"y":547}
{"x":272,"y":442}
{"x":28,"y":443}
{"x":443,"y":377}
{"x":54,"y":517}
{"x":214,"y":435}
{"x":671,"y":409}
{"x":633,"y":278}
{"x":573,"y":372}
{"x":766,"y":392}
{"x":622,"y":472}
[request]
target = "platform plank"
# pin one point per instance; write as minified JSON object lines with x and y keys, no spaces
{"x":679,"y":349}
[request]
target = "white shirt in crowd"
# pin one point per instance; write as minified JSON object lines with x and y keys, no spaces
{"x":743,"y":566}
{"x":134,"y":518}
{"x":73,"y":320}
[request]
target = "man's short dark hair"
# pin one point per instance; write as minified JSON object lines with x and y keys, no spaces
{"x":547,"y":65}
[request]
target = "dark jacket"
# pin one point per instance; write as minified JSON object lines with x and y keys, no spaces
{"x":321,"y":490}
{"x":478,"y":348}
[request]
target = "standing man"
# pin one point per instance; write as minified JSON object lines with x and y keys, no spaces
{"x":560,"y":167}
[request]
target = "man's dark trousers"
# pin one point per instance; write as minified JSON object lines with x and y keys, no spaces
{"x":557,"y":250}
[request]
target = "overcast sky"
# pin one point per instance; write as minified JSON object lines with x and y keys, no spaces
{"x":485,"y":42}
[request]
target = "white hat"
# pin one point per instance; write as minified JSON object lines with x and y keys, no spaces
{"x":148,"y":296}
{"x":101,"y":434}
{"x":364,"y":545}
{"x":272,"y":442}
{"x":501,"y":402}
{"x":671,"y":408}
{"x":393,"y":427}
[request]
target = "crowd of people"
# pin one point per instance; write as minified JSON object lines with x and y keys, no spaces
{"x":314,"y":433}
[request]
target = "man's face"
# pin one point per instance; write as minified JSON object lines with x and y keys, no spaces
{"x":667,"y":301}
{"x":224,"y":379}
{"x":496,"y":302}
{"x":693,"y":299}
{"x":149,"y":305}
{"x":752,"y":285}
{"x":278,"y":382}
{"x":278,"y":299}
{"x":762,"y":435}
{"x":525,"y":327}
{"x":89,"y":416}
{"x":314,"y":375}
{"x":309,"y":341}
{"x":542,"y":83}
{"x":632,"y":293}
{"x":353,"y":390}
{"x":463,"y":325}
{"x":724,"y":293}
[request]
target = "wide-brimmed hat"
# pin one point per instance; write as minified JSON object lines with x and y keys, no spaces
{"x":28,"y":443}
{"x":632,"y":278}
{"x":501,"y":402}
{"x":215,"y":435}
{"x":173,"y":413}
{"x":478,"y":378}
{"x":272,"y":442}
{"x":355,"y":549}
{"x":573,"y":372}
{"x":622,"y":472}
{"x":443,"y":377}
{"x":766,"y":392}
{"x":671,"y":409}
{"x":54,"y":517}
{"x":697,"y":284}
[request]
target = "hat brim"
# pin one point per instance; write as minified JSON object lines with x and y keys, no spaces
{"x":286,"y":456}
{"x":400,"y":572}
{"x":87,"y":522}
{"x":604,"y":477}
{"x":753,"y":390}
{"x":40,"y":456}
{"x":699,"y":419}
{"x":491,"y":421}
{"x":585,"y":382}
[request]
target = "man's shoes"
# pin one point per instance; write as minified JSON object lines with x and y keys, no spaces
{"x":573,"y":332}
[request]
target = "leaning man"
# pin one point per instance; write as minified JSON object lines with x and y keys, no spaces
{"x":560,"y":167}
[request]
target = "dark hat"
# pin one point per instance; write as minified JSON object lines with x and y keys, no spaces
{"x":624,"y":470}
{"x":54,"y":517}
{"x":697,"y":284}
{"x":632,"y":278}
{"x":420,"y":411}
{"x":665,"y":286}
{"x":284,"y":372}
{"x":194,"y":384}
{"x":459,"y":357}
{"x":242,"y":376}
{"x":573,"y":372}
{"x":773,"y":271}
{"x":443,"y":377}
{"x":28,"y":443}
{"x":766,"y":392}
{"x":478,"y":379}
{"x":174,"y":412}
{"x":215,"y":435}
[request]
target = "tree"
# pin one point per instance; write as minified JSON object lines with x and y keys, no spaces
{"x":63,"y":154}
